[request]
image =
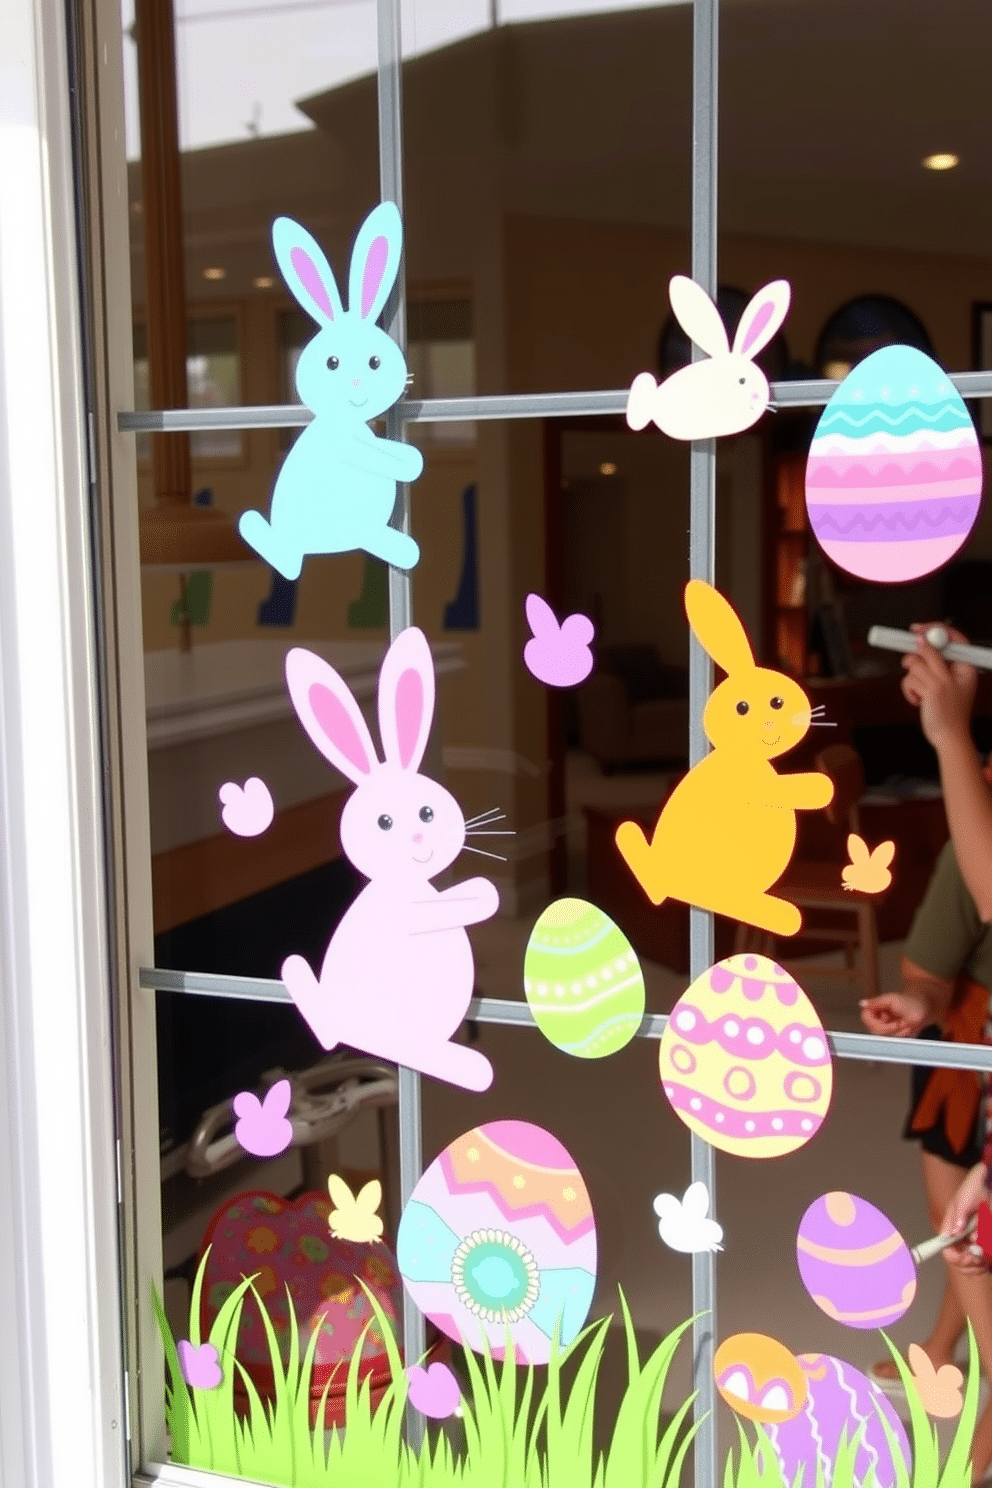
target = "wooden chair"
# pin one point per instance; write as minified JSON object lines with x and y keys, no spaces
{"x":815,"y":883}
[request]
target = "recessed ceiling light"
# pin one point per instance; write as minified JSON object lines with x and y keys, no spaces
{"x":263,"y":281}
{"x":837,"y":371}
{"x":215,"y":273}
{"x":941,"y":162}
{"x":607,"y":468}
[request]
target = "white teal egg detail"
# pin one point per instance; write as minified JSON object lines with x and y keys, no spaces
{"x":582,"y":980}
{"x":894,"y":474}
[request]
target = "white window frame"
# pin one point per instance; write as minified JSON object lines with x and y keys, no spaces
{"x":74,"y":836}
{"x":62,"y":1401}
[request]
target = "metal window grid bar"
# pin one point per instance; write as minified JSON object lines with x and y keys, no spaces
{"x":798,"y":394}
{"x":930,"y":1053}
{"x":811,"y":393}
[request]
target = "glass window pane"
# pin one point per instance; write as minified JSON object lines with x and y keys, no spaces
{"x":845,"y":200}
{"x":546,"y":159}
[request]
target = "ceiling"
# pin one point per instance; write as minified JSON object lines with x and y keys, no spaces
{"x":827,"y":108}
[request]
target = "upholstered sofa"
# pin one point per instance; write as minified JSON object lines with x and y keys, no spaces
{"x":634,"y":709}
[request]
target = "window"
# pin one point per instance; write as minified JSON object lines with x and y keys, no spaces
{"x":540,"y":236}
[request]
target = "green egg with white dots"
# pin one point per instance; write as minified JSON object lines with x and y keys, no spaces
{"x":582,"y":980}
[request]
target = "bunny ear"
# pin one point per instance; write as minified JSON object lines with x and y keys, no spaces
{"x":698,"y":316}
{"x":375,"y":261}
{"x":857,"y":849}
{"x":370,"y":1196}
{"x":340,"y":1192}
{"x":762,"y":318}
{"x":696,"y":1201}
{"x":667,"y":1206}
{"x":406,"y":699}
{"x":717,"y":627}
{"x":306,"y":270}
{"x":883,"y":854}
{"x":540,"y":615}
{"x":330,"y":715}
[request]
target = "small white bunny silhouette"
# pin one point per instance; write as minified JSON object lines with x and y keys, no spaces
{"x":725,"y":394}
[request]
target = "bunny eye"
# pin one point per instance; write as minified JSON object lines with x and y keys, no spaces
{"x":742,"y":380}
{"x":375,"y":363}
{"x":385,"y":822}
{"x":743,"y":708}
{"x":333,"y":363}
{"x":777,"y":703}
{"x":426,"y":814}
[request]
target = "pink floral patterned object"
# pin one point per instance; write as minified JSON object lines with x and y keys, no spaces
{"x":284,"y":1245}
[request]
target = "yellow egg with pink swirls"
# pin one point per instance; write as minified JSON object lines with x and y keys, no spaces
{"x":744,"y":1060}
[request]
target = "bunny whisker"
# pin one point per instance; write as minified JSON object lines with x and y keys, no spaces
{"x":475,"y":832}
{"x":496,"y":813}
{"x":820,"y":708}
{"x":822,"y":723}
{"x":483,"y":854}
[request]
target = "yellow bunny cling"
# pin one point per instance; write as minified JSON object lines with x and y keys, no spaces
{"x":728,"y":831}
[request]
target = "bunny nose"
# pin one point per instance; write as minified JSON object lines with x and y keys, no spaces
{"x":418,"y":836}
{"x":356,"y":382}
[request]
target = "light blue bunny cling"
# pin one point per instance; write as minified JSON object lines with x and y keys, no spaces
{"x":336,"y":489}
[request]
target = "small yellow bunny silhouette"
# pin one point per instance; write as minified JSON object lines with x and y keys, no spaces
{"x":728,"y":830}
{"x":868,"y":871}
{"x":355,"y":1217}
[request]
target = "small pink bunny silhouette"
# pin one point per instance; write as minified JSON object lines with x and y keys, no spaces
{"x":398,"y":974}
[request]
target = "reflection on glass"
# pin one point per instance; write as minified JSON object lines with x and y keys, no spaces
{"x":213,"y":376}
{"x":565,"y":219}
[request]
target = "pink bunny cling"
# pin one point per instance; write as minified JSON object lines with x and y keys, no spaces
{"x":726,"y":392}
{"x":398,"y":974}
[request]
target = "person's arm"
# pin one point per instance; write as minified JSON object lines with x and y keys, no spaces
{"x":973,"y":1192}
{"x":944,"y":695}
{"x":923,"y":999}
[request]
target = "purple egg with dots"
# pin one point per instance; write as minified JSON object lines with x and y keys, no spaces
{"x":744,"y":1060}
{"x":841,"y":1402}
{"x":854,"y":1263}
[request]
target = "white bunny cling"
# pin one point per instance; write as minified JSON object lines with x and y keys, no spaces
{"x":398,"y":974}
{"x":724,"y":394}
{"x":336,"y":489}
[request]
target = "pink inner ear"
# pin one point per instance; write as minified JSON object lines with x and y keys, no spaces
{"x":375,"y":267}
{"x":339,"y":726}
{"x":761,"y":319}
{"x":309,"y":276}
{"x":409,"y":712}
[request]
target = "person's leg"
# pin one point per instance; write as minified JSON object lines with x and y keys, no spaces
{"x":974,"y":1297}
{"x":948,"y":1327}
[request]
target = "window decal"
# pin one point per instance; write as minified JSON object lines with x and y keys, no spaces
{"x":557,"y":655}
{"x":246,"y":810}
{"x":727,"y":392}
{"x":868,"y":870}
{"x":582,"y":980}
{"x":398,"y":974}
{"x":939,"y":1389}
{"x":744,"y":1060}
{"x":845,"y":1417}
{"x":262,"y":1127}
{"x":434,"y":1391}
{"x":356,"y":1216}
{"x":759,"y":1378}
{"x":336,"y":489}
{"x":497,"y":1244}
{"x":894,"y":474}
{"x":854,"y":1263}
{"x":684,"y":1224}
{"x":727,"y":832}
